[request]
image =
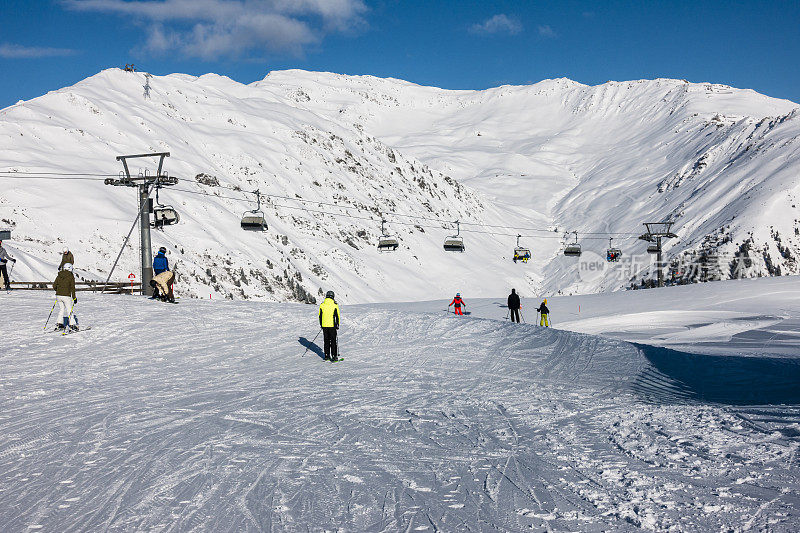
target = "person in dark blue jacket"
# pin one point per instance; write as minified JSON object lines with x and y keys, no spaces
{"x":160,"y":264}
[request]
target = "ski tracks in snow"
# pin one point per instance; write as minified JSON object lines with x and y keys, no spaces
{"x":211,"y":419}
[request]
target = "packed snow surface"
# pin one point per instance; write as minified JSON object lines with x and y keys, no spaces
{"x":733,"y":317}
{"x":222,"y":416}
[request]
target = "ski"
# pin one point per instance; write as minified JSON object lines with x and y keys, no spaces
{"x":61,"y":330}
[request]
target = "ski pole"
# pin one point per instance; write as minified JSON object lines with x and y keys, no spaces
{"x":312,"y":342}
{"x":522,"y":315}
{"x":51,"y":314}
{"x":508,"y":313}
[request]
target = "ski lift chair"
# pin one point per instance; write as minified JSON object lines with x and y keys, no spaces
{"x":254,"y":220}
{"x":387,"y":243}
{"x":454,"y":243}
{"x":521,"y":253}
{"x":613,"y":254}
{"x":164,"y":215}
{"x":573,"y":249}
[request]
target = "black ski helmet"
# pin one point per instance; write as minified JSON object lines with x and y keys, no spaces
{"x":163,"y":249}
{"x":329,"y":294}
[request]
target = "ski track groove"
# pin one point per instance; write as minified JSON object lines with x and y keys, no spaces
{"x":563,"y":431}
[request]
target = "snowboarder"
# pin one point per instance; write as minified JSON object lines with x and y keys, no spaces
{"x":163,"y":286}
{"x":544,"y":321}
{"x":514,"y":305}
{"x":4,"y":259}
{"x":66,"y":258}
{"x":329,"y":322}
{"x":457,"y":303}
{"x":64,"y":285}
{"x":160,"y":265}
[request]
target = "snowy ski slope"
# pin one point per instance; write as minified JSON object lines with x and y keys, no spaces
{"x":536,"y":160}
{"x":207,"y":416}
{"x":749,"y":317}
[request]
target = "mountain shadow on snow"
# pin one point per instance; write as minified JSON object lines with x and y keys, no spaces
{"x":675,"y":376}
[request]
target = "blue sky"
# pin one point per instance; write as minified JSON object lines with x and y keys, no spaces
{"x":458,"y":44}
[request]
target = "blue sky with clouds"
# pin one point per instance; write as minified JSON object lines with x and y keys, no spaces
{"x":459,"y":44}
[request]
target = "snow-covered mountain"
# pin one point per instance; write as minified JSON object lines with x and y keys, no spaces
{"x":535,"y":160}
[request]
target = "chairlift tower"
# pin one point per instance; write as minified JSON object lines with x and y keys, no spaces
{"x":144,"y":182}
{"x":655,"y":232}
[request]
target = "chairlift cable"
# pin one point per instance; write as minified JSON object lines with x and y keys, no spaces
{"x":442,"y":223}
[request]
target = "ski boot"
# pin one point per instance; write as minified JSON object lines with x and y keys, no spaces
{"x":59,"y":327}
{"x":73,"y":328}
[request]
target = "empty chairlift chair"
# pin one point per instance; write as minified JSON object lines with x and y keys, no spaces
{"x":521,"y":253}
{"x":254,"y":220}
{"x":613,"y":255}
{"x":455,"y":243}
{"x":573,"y":249}
{"x":387,"y":243}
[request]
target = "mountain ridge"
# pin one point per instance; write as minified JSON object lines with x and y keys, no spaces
{"x":538,"y":160}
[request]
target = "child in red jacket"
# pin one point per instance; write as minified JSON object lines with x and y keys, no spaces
{"x":457,"y":303}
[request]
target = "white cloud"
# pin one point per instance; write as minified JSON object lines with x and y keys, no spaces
{"x":547,"y":31}
{"x":16,"y":51}
{"x":210,"y":29}
{"x":498,"y":24}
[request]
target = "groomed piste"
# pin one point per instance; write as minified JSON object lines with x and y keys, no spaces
{"x":222,"y":416}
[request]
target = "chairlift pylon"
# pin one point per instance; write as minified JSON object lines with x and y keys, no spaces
{"x":521,"y":253}
{"x":613,"y":255}
{"x":455,"y":243}
{"x":573,"y":249}
{"x":387,"y":243}
{"x":254,"y":220}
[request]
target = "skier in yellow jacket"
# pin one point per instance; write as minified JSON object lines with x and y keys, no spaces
{"x":329,"y":322}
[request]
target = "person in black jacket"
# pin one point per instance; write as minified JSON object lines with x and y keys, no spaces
{"x":545,"y":320}
{"x":514,"y":305}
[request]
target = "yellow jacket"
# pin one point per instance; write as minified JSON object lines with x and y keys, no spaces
{"x":329,"y":314}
